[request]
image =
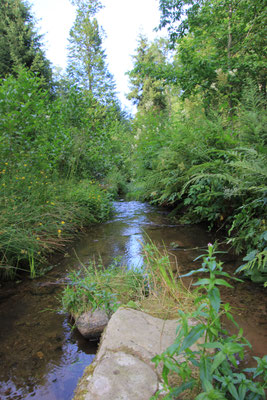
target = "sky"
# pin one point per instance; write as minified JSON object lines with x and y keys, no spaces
{"x":122,"y":20}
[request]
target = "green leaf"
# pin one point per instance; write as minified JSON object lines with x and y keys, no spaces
{"x":173,"y":348}
{"x":195,"y":271}
{"x":182,"y":388}
{"x":222,"y":282}
{"x":171,"y":365}
{"x":195,"y":333}
{"x":205,"y":281}
{"x":232,"y":389}
{"x":232,"y":348}
{"x":211,"y":395}
{"x":218,"y":359}
{"x":215,"y":299}
{"x":165,"y":373}
{"x":242,"y":390}
{"x":213,"y":345}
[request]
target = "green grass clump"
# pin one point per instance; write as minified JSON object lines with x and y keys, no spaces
{"x":39,"y":214}
{"x":97,"y":287}
{"x":154,"y":288}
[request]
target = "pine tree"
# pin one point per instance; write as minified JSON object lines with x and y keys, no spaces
{"x":87,"y":59}
{"x":20,"y":45}
{"x":148,"y":92}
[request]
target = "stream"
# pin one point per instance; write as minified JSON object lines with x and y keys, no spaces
{"x":42,"y":357}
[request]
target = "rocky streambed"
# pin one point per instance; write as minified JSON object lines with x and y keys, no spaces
{"x":42,"y":357}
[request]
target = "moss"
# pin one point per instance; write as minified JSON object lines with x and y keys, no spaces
{"x":81,"y":389}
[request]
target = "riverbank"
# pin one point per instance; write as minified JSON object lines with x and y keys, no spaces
{"x":29,"y":326}
{"x":202,"y":358}
{"x":40,"y":215}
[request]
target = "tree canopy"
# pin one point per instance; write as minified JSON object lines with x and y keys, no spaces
{"x":220,"y":44}
{"x":148,"y":92}
{"x":20,"y":44}
{"x":87,"y":59}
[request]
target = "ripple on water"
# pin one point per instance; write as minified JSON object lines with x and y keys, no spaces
{"x":42,"y":358}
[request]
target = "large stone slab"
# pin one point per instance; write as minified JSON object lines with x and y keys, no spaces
{"x":121,"y":376}
{"x":122,"y":369}
{"x":138,"y":333}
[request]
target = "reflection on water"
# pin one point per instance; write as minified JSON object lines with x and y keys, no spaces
{"x":42,"y":358}
{"x":40,"y":355}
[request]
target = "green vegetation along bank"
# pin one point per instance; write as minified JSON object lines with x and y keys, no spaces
{"x":210,"y":372}
{"x":197,"y":143}
{"x":59,"y":139}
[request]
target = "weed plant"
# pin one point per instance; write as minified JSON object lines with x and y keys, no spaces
{"x":215,"y":363}
{"x":209,"y":169}
{"x":153,"y":288}
{"x":94,"y":286}
{"x":38,"y":216}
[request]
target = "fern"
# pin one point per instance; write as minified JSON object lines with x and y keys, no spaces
{"x":256,"y":266}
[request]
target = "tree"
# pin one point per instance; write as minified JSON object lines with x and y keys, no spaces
{"x":221,"y":45}
{"x":87,"y":60}
{"x":20,"y":45}
{"x":147,"y":91}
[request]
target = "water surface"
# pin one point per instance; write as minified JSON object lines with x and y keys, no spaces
{"x":42,"y":357}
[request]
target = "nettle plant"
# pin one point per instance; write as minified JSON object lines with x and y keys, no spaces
{"x":214,"y":366}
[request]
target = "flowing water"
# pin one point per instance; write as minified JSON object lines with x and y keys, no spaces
{"x":42,"y":357}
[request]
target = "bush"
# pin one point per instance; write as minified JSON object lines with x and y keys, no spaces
{"x":214,"y":364}
{"x":211,"y":167}
{"x":97,"y":287}
{"x":39,"y":216}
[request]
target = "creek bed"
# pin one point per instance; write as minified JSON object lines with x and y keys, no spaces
{"x":42,"y":357}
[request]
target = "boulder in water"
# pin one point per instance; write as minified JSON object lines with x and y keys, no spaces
{"x":91,"y":324}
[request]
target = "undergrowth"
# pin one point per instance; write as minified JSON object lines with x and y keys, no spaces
{"x":154,"y":288}
{"x":39,"y":216}
{"x":205,"y":352}
{"x":209,"y":168}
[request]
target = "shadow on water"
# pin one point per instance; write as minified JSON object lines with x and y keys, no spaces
{"x":42,"y":357}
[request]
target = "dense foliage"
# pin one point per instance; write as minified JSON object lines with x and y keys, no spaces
{"x":20,"y":45}
{"x":52,"y":154}
{"x":204,"y":153}
{"x":205,"y":352}
{"x":147,"y":92}
{"x":56,"y":149}
{"x":197,"y":142}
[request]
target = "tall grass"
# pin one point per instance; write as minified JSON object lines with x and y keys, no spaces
{"x":210,"y":167}
{"x":155,"y":288}
{"x":40,"y":215}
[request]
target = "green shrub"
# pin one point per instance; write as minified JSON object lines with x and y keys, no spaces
{"x":209,"y":167}
{"x":214,"y":363}
{"x":97,"y":287}
{"x":39,"y":216}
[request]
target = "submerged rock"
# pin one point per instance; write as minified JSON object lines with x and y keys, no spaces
{"x":92,"y":324}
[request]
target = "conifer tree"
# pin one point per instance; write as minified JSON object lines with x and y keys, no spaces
{"x":148,"y":92}
{"x":20,"y":45}
{"x":87,"y":60}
